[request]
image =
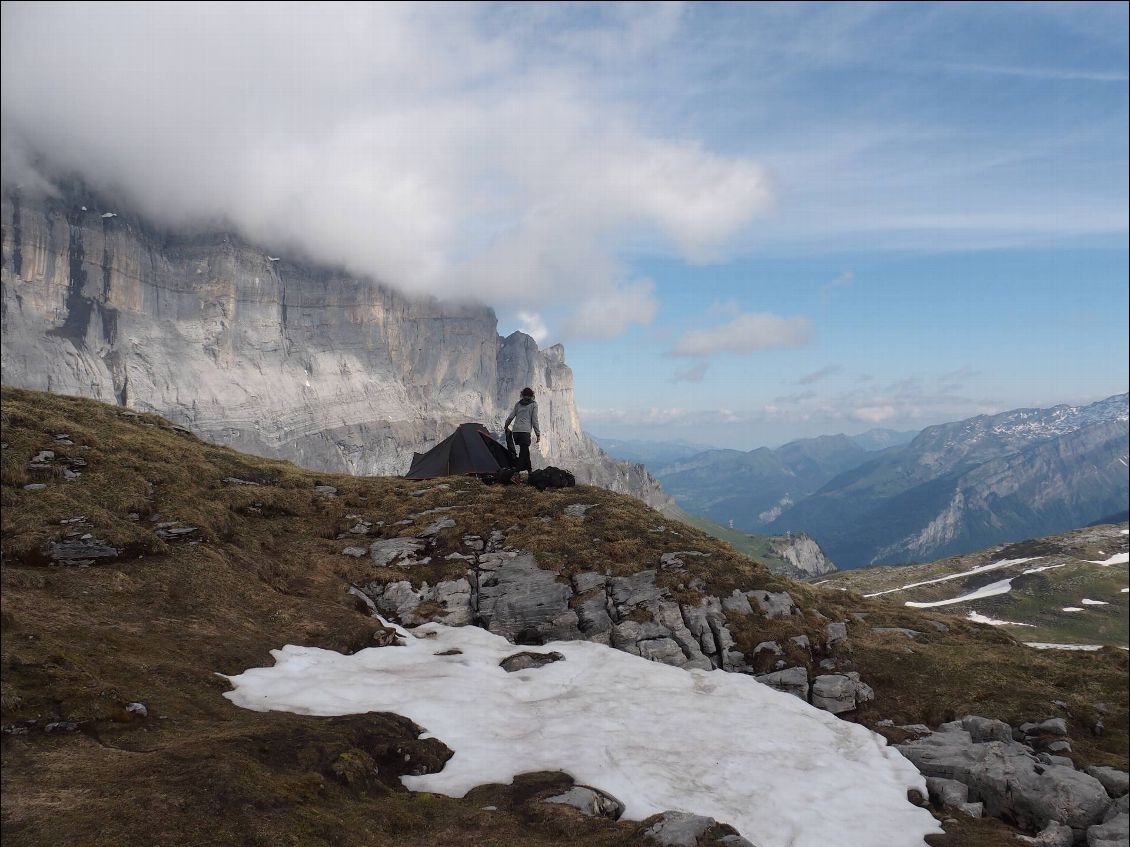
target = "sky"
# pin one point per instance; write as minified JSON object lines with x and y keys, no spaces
{"x":747,"y":223}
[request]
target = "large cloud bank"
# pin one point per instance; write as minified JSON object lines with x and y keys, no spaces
{"x":444,"y":149}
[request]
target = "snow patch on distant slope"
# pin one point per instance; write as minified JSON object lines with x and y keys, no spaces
{"x":991,"y":590}
{"x":1003,"y":563}
{"x":1116,"y":559}
{"x":657,"y":737}
{"x":977,"y":617}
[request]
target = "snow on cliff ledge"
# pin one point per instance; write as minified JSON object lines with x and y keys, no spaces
{"x":657,"y":737}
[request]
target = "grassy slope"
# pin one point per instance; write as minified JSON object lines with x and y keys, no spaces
{"x":1037,"y":598}
{"x":79,"y":644}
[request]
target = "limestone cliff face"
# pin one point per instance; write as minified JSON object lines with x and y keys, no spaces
{"x":271,"y":356}
{"x":802,"y":552}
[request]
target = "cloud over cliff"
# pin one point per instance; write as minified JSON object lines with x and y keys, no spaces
{"x":444,"y":149}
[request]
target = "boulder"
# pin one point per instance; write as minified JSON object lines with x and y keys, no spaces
{"x":791,"y":680}
{"x":527,"y":659}
{"x":775,"y":605}
{"x":1053,"y":726}
{"x":1054,"y":834}
{"x":524,"y":603}
{"x":682,"y":829}
{"x":946,"y":792}
{"x":986,"y":729}
{"x":1009,"y":780}
{"x":387,"y":551}
{"x":1110,"y":833}
{"x":590,"y":801}
{"x":835,"y":633}
{"x":1116,"y":782}
{"x":839,"y":693}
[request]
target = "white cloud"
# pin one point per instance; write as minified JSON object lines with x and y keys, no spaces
{"x":609,"y":313}
{"x":844,"y":280}
{"x":432,"y":146}
{"x":874,"y":414}
{"x":532,"y":324}
{"x":746,"y":333}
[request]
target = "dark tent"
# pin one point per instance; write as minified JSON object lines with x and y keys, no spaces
{"x":468,"y":450}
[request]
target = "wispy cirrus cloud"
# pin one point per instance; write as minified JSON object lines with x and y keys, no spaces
{"x":822,"y":373}
{"x":692,"y":373}
{"x":746,"y":333}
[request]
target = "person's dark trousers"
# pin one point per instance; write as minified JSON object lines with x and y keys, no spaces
{"x":522,"y":439}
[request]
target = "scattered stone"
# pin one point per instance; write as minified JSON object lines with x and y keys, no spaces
{"x":35,"y":486}
{"x":43,"y":457}
{"x":361,"y":528}
{"x":454,"y":651}
{"x":775,"y":605}
{"x":170,"y":531}
{"x":81,"y":552}
{"x":325,"y":490}
{"x":674,"y":560}
{"x":355,"y":552}
{"x":1060,"y":761}
{"x":235,"y":480}
{"x":1054,"y":834}
{"x":939,"y":626}
{"x":436,"y":528}
{"x":180,"y":430}
{"x":590,"y":801}
{"x":791,"y":680}
{"x":947,"y":793}
{"x":986,"y":729}
{"x":835,"y":633}
{"x":443,"y":486}
{"x":473,"y":542}
{"x":801,"y":641}
{"x":61,"y":726}
{"x":827,"y":664}
{"x":584,"y":582}
{"x":682,"y":829}
{"x":839,"y":693}
{"x":1053,"y":726}
{"x":1059,"y":747}
{"x":1116,"y":782}
{"x":1114,"y":832}
{"x":385,"y":551}
{"x":578,"y":510}
{"x":74,"y":520}
{"x":138,"y":709}
{"x":527,"y":659}
{"x":738,"y":603}
{"x":70,"y":475}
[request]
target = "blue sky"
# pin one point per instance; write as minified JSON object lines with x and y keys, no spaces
{"x":747,"y":222}
{"x":949,"y":216}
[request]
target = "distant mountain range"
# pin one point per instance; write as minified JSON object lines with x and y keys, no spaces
{"x":950,"y":489}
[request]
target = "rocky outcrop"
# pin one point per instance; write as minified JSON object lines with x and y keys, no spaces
{"x":802,"y":555}
{"x":1009,"y":779}
{"x":507,"y":592}
{"x":272,"y":356}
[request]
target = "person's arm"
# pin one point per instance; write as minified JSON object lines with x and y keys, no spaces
{"x":534,"y":420}
{"x":509,"y":419}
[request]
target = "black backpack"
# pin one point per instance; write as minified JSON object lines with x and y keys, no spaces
{"x":551,"y":477}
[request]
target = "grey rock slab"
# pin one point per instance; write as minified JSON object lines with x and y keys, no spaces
{"x":947,"y":792}
{"x":71,"y":552}
{"x":583,"y":582}
{"x":679,"y":829}
{"x":1118,"y":807}
{"x":775,"y":605}
{"x":1116,"y":782}
{"x":801,"y":641}
{"x":839,"y":693}
{"x":355,"y":552}
{"x":590,"y":801}
{"x":986,"y":729}
{"x":636,"y":589}
{"x":325,"y":490}
{"x":1059,"y":747}
{"x":578,"y":510}
{"x":1053,"y":726}
{"x":1054,"y":834}
{"x":737,"y":603}
{"x":528,"y":659}
{"x":436,"y":528}
{"x":972,"y":810}
{"x":386,"y":551}
{"x":1009,"y":780}
{"x":517,"y":598}
{"x":1112,"y":833}
{"x":835,"y":633}
{"x":791,"y":680}
{"x":897,"y":630}
{"x":35,"y":486}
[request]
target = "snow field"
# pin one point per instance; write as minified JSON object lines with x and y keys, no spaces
{"x":1003,"y":563}
{"x":1116,"y":559}
{"x":976,"y":617}
{"x":657,"y":737}
{"x":1002,"y":586}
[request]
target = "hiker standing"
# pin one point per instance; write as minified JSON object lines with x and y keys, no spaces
{"x":524,"y":418}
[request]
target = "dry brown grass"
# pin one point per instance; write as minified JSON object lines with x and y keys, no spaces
{"x":155,"y":626}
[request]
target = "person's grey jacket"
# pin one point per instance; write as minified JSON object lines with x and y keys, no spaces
{"x":524,"y":417}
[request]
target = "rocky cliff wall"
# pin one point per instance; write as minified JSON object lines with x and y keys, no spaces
{"x":269,"y":355}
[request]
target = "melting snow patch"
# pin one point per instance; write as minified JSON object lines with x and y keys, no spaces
{"x":1124,"y":532}
{"x":979,"y":618}
{"x":1042,"y":645}
{"x":1072,"y":609}
{"x":655,"y":736}
{"x":1116,"y":559}
{"x":1002,"y":586}
{"x":1003,"y":563}
{"x":1087,"y":602}
{"x":1027,"y":571}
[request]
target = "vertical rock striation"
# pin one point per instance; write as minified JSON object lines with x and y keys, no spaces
{"x":271,"y":356}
